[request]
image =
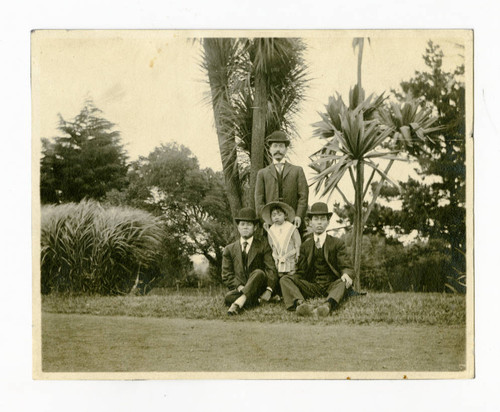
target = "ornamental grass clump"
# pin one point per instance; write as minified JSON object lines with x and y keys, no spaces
{"x":89,"y":248}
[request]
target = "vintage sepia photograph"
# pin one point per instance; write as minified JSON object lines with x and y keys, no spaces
{"x":293,"y":204}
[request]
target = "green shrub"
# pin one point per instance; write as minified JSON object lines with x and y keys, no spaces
{"x":88,"y":248}
{"x":390,"y":266}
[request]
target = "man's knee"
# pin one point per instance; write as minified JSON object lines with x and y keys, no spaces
{"x":258,"y":277}
{"x":286,"y":280}
{"x":259,"y":274}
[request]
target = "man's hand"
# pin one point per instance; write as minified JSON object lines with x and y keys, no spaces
{"x":266,"y":296}
{"x":347,"y":279}
{"x":240,"y":288}
{"x":297,"y":221}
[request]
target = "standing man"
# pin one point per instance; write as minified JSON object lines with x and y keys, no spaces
{"x":323,"y":270}
{"x":248,"y":268}
{"x":282,"y":181}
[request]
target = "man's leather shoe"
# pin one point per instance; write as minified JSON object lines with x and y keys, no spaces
{"x":234,"y":309}
{"x":322,"y":311}
{"x":304,"y":309}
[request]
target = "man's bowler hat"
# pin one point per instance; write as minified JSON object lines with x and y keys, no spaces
{"x":278,"y":137}
{"x":319,"y":208}
{"x":247,"y":214}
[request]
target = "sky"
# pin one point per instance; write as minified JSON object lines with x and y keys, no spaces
{"x":150,"y":83}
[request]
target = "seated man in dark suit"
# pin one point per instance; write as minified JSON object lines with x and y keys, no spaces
{"x":323,"y":269}
{"x":248,"y":267}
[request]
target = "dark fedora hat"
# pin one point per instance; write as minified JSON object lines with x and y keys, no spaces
{"x":319,"y":208}
{"x":247,"y":214}
{"x":278,"y":137}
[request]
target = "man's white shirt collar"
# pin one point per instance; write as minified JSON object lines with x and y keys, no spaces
{"x":321,"y":238}
{"x":249,"y":241}
{"x":282,"y":162}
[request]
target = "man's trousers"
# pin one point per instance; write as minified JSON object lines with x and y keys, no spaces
{"x":255,"y":286}
{"x":294,"y":288}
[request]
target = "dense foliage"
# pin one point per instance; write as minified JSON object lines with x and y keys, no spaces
{"x":191,"y":202}
{"x":88,"y":248}
{"x":86,"y":162}
{"x":390,"y":266}
{"x":437,"y":209}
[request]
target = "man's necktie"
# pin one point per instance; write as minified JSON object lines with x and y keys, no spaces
{"x":279,"y":169}
{"x":318,"y":243}
{"x":244,"y":254}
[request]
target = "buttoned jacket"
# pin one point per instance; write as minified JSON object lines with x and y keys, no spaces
{"x":294,"y":188}
{"x":259,"y":257}
{"x":335,"y":255}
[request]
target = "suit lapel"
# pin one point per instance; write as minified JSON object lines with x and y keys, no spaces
{"x":328,"y":247}
{"x":286,"y":168}
{"x":310,"y":251}
{"x":252,"y":252}
{"x":272,"y":169}
{"x":237,"y":256}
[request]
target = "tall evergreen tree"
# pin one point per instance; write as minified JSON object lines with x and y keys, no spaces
{"x":86,"y":162}
{"x":442,"y":215}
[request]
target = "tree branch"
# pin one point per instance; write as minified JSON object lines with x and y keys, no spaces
{"x":344,"y":197}
{"x":377,"y":192}
{"x":368,"y":183}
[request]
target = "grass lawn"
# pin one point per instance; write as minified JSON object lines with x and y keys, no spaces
{"x":387,"y":308}
{"x":190,"y":331}
{"x":86,"y":343}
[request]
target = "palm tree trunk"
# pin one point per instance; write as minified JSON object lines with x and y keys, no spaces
{"x":359,"y":188}
{"x":358,"y":224}
{"x":258,"y":132}
{"x":227,"y":149}
{"x":360,"y":60}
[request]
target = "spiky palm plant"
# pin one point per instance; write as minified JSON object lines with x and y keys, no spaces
{"x":357,"y":136}
{"x":256,"y":86}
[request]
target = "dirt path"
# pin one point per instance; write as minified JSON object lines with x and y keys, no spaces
{"x":86,"y":343}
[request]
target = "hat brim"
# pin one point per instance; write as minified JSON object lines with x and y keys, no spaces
{"x":286,"y":142}
{"x":243,"y":219}
{"x":329,"y":214}
{"x":266,"y":212}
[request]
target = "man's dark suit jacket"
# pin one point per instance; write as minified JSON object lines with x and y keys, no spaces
{"x":335,"y":256}
{"x":295,"y":189}
{"x":259,"y":257}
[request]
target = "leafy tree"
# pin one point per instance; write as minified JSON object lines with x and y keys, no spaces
{"x":191,"y":201}
{"x":438,"y":209}
{"x":86,"y":162}
{"x":256,"y":85}
{"x":379,"y":218}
